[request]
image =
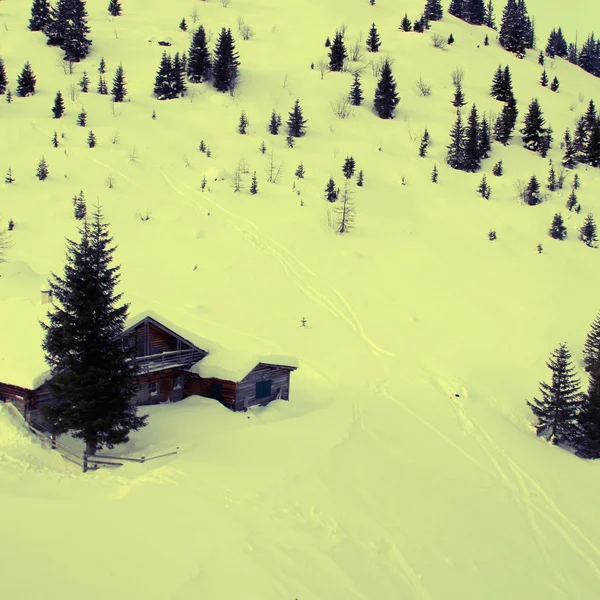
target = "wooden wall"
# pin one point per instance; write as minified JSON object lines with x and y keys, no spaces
{"x":165,"y":387}
{"x":229,"y":390}
{"x":246,"y":389}
{"x":157,"y":341}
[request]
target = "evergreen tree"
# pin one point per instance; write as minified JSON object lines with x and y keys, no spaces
{"x":533,"y":129}
{"x":355,"y":95}
{"x":576,"y":182}
{"x":59,"y":106}
{"x":457,"y":8}
{"x":592,"y":150}
{"x":26,"y":81}
{"x":114,"y":8}
{"x":471,"y":161}
{"x":544,"y":78}
{"x":588,"y":420}
{"x":102,"y":89}
{"x":498,"y":169}
{"x":93,"y":364}
{"x":418,"y":26}
{"x":84,"y":83}
{"x":55,"y":140}
{"x":386,"y":98}
{"x":546,"y":142}
{"x":506,"y":92}
{"x":405,"y":24}
{"x":55,"y":28}
{"x":162,"y":82}
{"x":75,"y":43}
{"x":591,"y":348}
{"x":456,"y":149}
{"x":485,"y":144}
{"x":434,"y":174}
{"x":3,"y":79}
{"x":475,"y":12}
{"x":513,"y":29}
{"x":198,"y":67}
{"x":551,"y":182}
{"x":557,"y":230}
{"x":569,"y":159}
{"x":102,"y":66}
{"x":327,"y":43}
{"x":82,"y":118}
{"x":571,"y":200}
{"x":183,"y":25}
{"x":274,"y":123}
{"x":424,"y":144}
{"x":458,"y":100}
{"x":589,"y":118}
{"x":289,"y":141}
{"x":349,"y":167}
{"x":486,"y":40}
{"x":490,"y":19}
{"x":331,"y":193}
{"x":9,"y":176}
{"x":589,"y":56}
{"x":337,"y":53}
{"x":9,"y":97}
{"x":587,"y":233}
{"x":496,"y":88}
{"x":360,"y":180}
{"x":254,"y":184}
{"x":532,"y":192}
{"x":554,"y":84}
{"x":373,"y":40}
{"x":433,"y":10}
{"x":42,"y":170}
{"x":40,"y":15}
{"x":177,"y":76}
{"x":557,"y":411}
{"x":243,"y":123}
{"x":91,"y":139}
{"x":541,"y":59}
{"x":119,"y":91}
{"x":484,"y":189}
{"x":296,"y":123}
{"x":580,"y":139}
{"x":299,"y":173}
{"x":506,"y":121}
{"x":450,"y":40}
{"x":225,"y":64}
{"x":79,"y":207}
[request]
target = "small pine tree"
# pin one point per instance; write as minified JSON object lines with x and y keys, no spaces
{"x":472,"y":160}
{"x":458,"y":100}
{"x":386,"y":98}
{"x":576,"y":182}
{"x":243,"y":123}
{"x":551,"y":182}
{"x":405,"y":24}
{"x":539,"y":248}
{"x":450,"y":40}
{"x":9,"y":176}
{"x":456,"y":149}
{"x":102,"y":66}
{"x":541,"y":59}
{"x":373,"y":40}
{"x":11,"y":225}
{"x":571,"y":201}
{"x":26,"y":81}
{"x":569,"y":159}
{"x":355,"y":95}
{"x":557,"y":411}
{"x":532,"y":192}
{"x":289,"y":140}
{"x":484,"y":189}
{"x":484,"y":142}
{"x":498,"y":169}
{"x":296,"y":123}
{"x":555,"y":84}
{"x":486,"y":41}
{"x":114,"y":8}
{"x":199,"y":63}
{"x":254,"y":184}
{"x":588,"y":231}
{"x":557,"y":230}
{"x":225,"y":63}
{"x":91,"y":139}
{"x":55,"y":140}
{"x":331,"y":193}
{"x":183,"y":25}
{"x":424,"y":144}
{"x":506,"y":121}
{"x":84,"y":83}
{"x":544,"y":79}
{"x":434,"y":174}
{"x":102,"y":88}
{"x":360,"y":181}
{"x":79,"y":206}
{"x":163,"y":81}
{"x":59,"y":106}
{"x":299,"y":173}
{"x":327,"y":43}
{"x":42,"y":170}
{"x":262,"y":148}
{"x":82,"y":118}
{"x":119,"y":91}
{"x":492,"y":235}
{"x":348,"y":167}
{"x":274,"y":123}
{"x":337,"y":53}
{"x":9,"y":97}
{"x":153,"y":115}
{"x":3,"y":79}
{"x":533,"y":130}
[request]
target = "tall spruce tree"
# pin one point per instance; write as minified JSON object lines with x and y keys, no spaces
{"x":513,"y":33}
{"x":569,"y":159}
{"x":457,"y":8}
{"x":591,"y":347}
{"x":373,"y":40}
{"x":102,"y":87}
{"x":115,"y":8}
{"x":557,"y":410}
{"x":225,"y":63}
{"x":424,"y":143}
{"x":533,"y":128}
{"x":92,"y":363}
{"x":484,"y":142}
{"x":532,"y":192}
{"x":40,"y":15}
{"x":177,"y":76}
{"x":56,"y":26}
{"x":456,"y":149}
{"x":386,"y":98}
{"x":26,"y":81}
{"x":3,"y":78}
{"x":75,"y":43}
{"x":355,"y":95}
{"x":337,"y":53}
{"x":472,"y":160}
{"x":497,"y":84}
{"x":296,"y":123}
{"x":475,"y":12}
{"x":588,"y":419}
{"x":506,"y":122}
{"x":433,"y":10}
{"x":198,"y":66}
{"x":490,"y":18}
{"x":119,"y":91}
{"x":592,"y":149}
{"x":162,"y":82}
{"x":458,"y":100}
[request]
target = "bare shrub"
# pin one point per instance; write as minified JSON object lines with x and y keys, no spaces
{"x":133,"y":157}
{"x":114,"y":138}
{"x":110,"y":182}
{"x":356,"y":52}
{"x":246,"y":32}
{"x":194,"y":15}
{"x":322,"y":66}
{"x":458,"y":76}
{"x":225,"y":3}
{"x":73,"y":92}
{"x":342,"y":29}
{"x":143,"y":216}
{"x":342,"y":108}
{"x":439,"y":41}
{"x":377,"y":65}
{"x":424,"y":88}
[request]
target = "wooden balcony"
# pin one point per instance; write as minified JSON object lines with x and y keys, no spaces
{"x":166,"y":360}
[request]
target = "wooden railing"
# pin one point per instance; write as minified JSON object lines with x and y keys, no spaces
{"x":154,"y":362}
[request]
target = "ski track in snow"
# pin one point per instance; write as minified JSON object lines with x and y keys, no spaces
{"x":543,"y":505}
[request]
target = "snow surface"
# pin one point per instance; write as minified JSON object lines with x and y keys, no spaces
{"x":405,"y":464}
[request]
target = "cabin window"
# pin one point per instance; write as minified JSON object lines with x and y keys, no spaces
{"x":263,"y":389}
{"x":178,"y":382}
{"x":153,"y":385}
{"x":216,"y":391}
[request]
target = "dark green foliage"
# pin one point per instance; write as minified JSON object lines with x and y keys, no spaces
{"x":40,"y":15}
{"x":331,"y":193}
{"x":450,"y":40}
{"x":551,"y":182}
{"x":289,"y":141}
{"x":557,"y":411}
{"x":119,"y":91}
{"x":183,"y":25}
{"x":554,"y":85}
{"x":532,"y":192}
{"x":557,"y":230}
{"x":592,"y":150}
{"x":588,"y":419}
{"x":9,"y":176}
{"x":348,"y":167}
{"x":93,"y":364}
{"x":162,"y":82}
{"x":296,"y":123}
{"x":79,"y":206}
{"x":8,"y":97}
{"x":373,"y":40}
{"x":418,"y":26}
{"x":580,"y":138}
{"x":588,"y":232}
{"x":327,"y":43}
{"x":360,"y":180}
{"x":457,"y":8}
{"x":590,"y":116}
{"x":254,"y":184}
{"x":546,"y":142}
{"x":355,"y":95}
{"x":199,"y":64}
{"x":299,"y":173}
{"x":55,"y":140}
{"x":544,"y":79}
{"x":591,"y":348}
{"x":424,"y":144}
{"x":274,"y":123}
{"x":102,"y":66}
{"x":42,"y":170}
{"x":492,"y":235}
{"x":84,"y":83}
{"x":91,"y":139}
{"x":576,"y":182}
{"x":472,"y":159}
{"x":471,"y":11}
{"x":556,"y":45}
{"x":225,"y":63}
{"x":490,"y":19}
{"x":541,"y":59}
{"x":486,"y":41}
{"x":571,"y":200}
{"x":533,"y":130}
{"x":484,"y":141}
{"x":3,"y":79}
{"x":68,"y":29}
{"x":405,"y":24}
{"x":459,"y":97}
{"x":26,"y":81}
{"x":243,"y":123}
{"x":501,"y":88}
{"x":59,"y":106}
{"x":498,"y":169}
{"x":337,"y":53}
{"x":516,"y":30}
{"x":484,"y":188}
{"x":434,"y":174}
{"x":456,"y":149}
{"x":386,"y":98}
{"x":177,"y":76}
{"x":102,"y":89}
{"x":589,"y":56}
{"x":506,"y":121}
{"x":433,"y":10}
{"x":115,"y":8}
{"x":82,"y":118}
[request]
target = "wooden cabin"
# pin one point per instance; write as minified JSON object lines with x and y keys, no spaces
{"x":171,"y":368}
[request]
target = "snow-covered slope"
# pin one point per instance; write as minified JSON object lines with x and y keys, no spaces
{"x":405,"y":464}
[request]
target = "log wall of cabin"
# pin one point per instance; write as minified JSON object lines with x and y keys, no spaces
{"x":192,"y":385}
{"x":229,"y":390}
{"x":246,"y":389}
{"x":166,"y":390}
{"x":153,"y":340}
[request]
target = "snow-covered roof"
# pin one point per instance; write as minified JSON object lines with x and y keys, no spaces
{"x":235,"y":366}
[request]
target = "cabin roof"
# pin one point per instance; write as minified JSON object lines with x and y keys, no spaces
{"x":235,"y":366}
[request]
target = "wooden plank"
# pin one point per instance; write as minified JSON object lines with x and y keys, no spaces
{"x":246,"y":390}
